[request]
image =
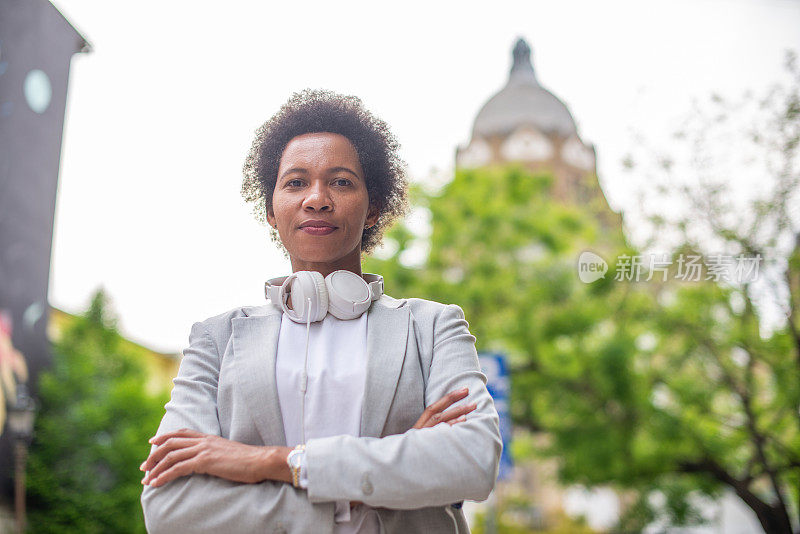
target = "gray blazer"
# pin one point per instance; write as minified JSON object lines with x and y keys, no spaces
{"x":418,"y":350}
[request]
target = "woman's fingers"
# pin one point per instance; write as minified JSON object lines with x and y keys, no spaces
{"x":182,"y":433}
{"x":459,"y":420}
{"x":168,"y":461}
{"x":457,"y":412}
{"x":432,"y":414}
{"x":180,"y":469}
{"x":432,"y":411}
{"x":165,"y":448}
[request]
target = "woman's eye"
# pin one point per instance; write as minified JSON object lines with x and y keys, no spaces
{"x":343,"y":181}
{"x":294,"y":183}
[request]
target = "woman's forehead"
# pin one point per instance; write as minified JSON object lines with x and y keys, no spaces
{"x":321,"y":150}
{"x":320,"y":143}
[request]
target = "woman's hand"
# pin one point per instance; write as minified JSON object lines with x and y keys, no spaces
{"x":185,"y":451}
{"x":434,"y":414}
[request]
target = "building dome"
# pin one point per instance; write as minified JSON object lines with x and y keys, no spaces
{"x":523,"y":102}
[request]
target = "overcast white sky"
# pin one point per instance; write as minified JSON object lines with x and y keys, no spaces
{"x":162,"y":113}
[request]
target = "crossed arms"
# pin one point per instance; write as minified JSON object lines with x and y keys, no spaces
{"x":423,"y":467}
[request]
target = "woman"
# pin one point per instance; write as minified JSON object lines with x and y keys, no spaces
{"x":281,"y":422}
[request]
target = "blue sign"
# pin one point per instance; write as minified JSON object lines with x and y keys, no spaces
{"x":498,"y":383}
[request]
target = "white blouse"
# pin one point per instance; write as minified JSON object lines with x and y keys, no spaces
{"x":337,"y":369}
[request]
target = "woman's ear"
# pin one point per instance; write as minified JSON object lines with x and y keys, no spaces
{"x":372,"y":216}
{"x":271,"y":218}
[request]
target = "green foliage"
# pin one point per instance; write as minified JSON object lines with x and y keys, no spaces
{"x":513,"y":519}
{"x":91,"y":431}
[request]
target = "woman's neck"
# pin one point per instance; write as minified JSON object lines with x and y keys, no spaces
{"x":351,"y":262}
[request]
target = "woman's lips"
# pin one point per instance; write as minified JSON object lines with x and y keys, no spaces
{"x":318,"y":230}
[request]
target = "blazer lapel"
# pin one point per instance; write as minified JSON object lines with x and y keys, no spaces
{"x":387,"y":335}
{"x":255,"y":346}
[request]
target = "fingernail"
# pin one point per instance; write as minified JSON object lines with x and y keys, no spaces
{"x":151,"y":440}
{"x":463,"y":390}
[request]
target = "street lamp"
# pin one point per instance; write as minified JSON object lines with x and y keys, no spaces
{"x":20,"y":422}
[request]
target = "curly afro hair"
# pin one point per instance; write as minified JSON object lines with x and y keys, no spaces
{"x":311,"y":111}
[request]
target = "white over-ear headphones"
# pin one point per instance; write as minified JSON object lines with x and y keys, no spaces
{"x":343,"y":293}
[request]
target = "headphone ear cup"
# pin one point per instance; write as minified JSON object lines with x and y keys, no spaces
{"x":348,"y":294}
{"x":303,"y":285}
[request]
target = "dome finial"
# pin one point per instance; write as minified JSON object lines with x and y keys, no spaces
{"x":522,"y":68}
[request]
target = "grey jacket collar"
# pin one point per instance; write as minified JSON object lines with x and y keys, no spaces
{"x":255,"y":348}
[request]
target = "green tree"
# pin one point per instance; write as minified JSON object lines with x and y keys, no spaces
{"x":737,"y":338}
{"x":663,"y":388}
{"x":91,"y":431}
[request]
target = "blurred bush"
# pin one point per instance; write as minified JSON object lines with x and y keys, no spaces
{"x":91,"y":431}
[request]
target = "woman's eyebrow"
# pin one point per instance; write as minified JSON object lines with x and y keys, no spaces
{"x":293,"y":169}
{"x":331,"y":171}
{"x":345,"y":169}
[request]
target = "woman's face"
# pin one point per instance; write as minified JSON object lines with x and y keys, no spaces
{"x":320,"y":205}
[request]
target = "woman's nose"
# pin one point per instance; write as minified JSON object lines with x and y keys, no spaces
{"x":318,"y":199}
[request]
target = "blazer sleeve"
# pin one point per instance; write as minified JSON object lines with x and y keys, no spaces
{"x":205,"y":503}
{"x":432,"y":466}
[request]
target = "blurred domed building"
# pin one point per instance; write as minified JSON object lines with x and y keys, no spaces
{"x":526,"y":123}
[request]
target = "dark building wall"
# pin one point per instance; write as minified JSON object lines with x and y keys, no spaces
{"x":36,"y":46}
